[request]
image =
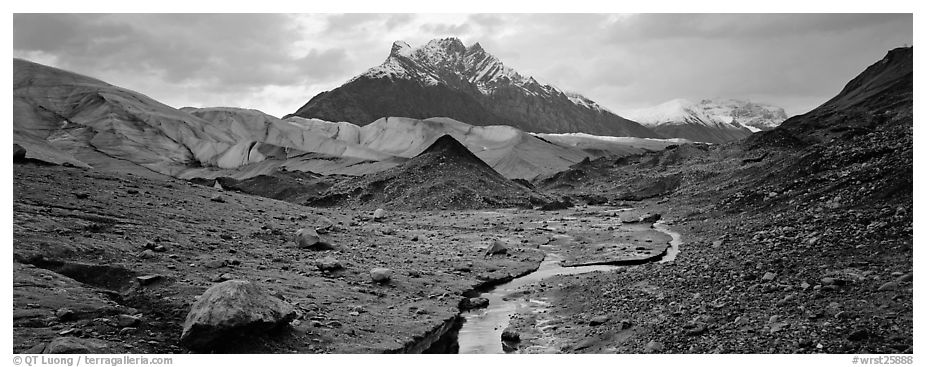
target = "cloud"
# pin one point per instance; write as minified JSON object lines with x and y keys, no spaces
{"x":276,"y":62}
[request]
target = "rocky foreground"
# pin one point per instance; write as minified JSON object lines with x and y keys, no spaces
{"x":116,"y":262}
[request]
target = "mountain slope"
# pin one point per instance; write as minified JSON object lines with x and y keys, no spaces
{"x":63,"y":117}
{"x":446,"y":175}
{"x":709,"y":121}
{"x":446,"y":79}
{"x":881,"y":94}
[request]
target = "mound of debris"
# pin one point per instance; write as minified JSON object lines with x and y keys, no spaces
{"x":446,"y":175}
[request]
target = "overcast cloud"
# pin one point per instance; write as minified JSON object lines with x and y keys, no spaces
{"x":275,"y":63}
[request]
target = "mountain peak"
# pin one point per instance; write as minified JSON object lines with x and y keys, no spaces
{"x":400,"y":48}
{"x":444,"y":78}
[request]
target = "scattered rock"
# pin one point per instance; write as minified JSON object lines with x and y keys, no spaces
{"x":598,"y":320}
{"x":127,"y":320}
{"x":769,"y":276}
{"x":379,"y":215}
{"x":236,"y":308}
{"x":381,"y":275}
{"x":308,"y":238}
{"x":510,"y":335}
{"x":473,"y":303}
{"x":889,"y":286}
{"x":64,"y":314}
{"x":650,"y":217}
{"x":497,"y":247}
{"x":653,"y":347}
{"x":148,"y":279}
{"x":328,"y":263}
{"x":72,"y":345}
{"x":696,"y":330}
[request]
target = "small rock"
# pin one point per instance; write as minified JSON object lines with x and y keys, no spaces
{"x":71,"y":345}
{"x":473,"y":303}
{"x":64,"y":314}
{"x":598,"y":320}
{"x":81,"y":195}
{"x":328,"y":263}
{"x":217,"y":198}
{"x":697,"y":330}
{"x":308,"y":238}
{"x":905,"y":278}
{"x":778,"y":326}
{"x":127,"y":320}
{"x":379,"y":215}
{"x":889,"y":286}
{"x":147,"y":279}
{"x":650,"y":218}
{"x":381,"y":275}
{"x":147,"y":254}
{"x":768,"y":277}
{"x":497,"y":247}
{"x":510,"y":335}
{"x":653,"y":347}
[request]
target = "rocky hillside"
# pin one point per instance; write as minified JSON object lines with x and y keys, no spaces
{"x":444,"y":176}
{"x":444,"y":78}
{"x":882,"y":94}
{"x":804,"y":247}
{"x":709,"y":121}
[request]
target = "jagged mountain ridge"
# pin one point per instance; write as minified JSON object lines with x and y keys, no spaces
{"x":444,"y":78}
{"x":710,"y":121}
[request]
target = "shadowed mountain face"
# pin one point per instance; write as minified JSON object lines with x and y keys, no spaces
{"x":446,"y":79}
{"x":446,"y":175}
{"x":882,"y":94}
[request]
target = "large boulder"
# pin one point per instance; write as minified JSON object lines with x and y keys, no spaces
{"x":71,"y":345}
{"x":233,"y":309}
{"x":308,"y":238}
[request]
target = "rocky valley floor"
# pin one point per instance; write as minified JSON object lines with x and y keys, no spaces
{"x":114,"y":262}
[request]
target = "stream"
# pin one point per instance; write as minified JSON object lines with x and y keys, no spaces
{"x":482,"y":329}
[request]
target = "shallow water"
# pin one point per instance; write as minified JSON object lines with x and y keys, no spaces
{"x":482,"y":328}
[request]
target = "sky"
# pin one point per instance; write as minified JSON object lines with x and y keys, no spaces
{"x":277,"y":62}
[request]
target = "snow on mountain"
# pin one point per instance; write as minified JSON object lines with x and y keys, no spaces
{"x":712,"y":121}
{"x":738,"y":113}
{"x":444,"y":78}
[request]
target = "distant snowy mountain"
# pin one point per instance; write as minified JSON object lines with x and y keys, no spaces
{"x":711,"y":121}
{"x":444,"y":78}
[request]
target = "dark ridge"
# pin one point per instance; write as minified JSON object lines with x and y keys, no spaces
{"x":881,"y":94}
